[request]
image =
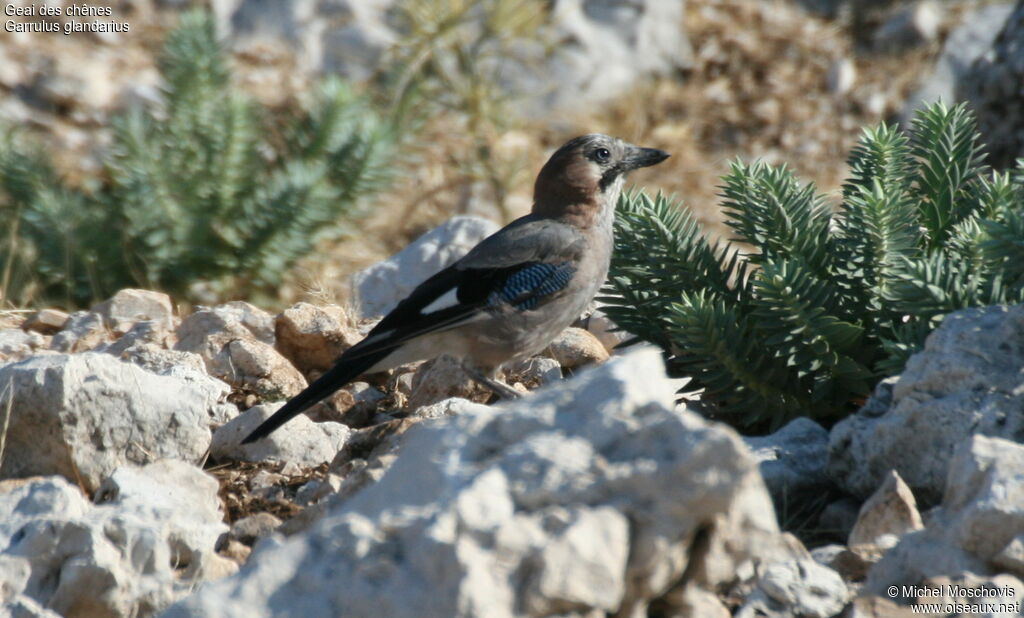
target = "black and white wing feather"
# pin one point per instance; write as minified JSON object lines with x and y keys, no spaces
{"x":521,"y":267}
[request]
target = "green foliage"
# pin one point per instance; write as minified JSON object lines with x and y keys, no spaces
{"x":207,"y":188}
{"x":825,"y":304}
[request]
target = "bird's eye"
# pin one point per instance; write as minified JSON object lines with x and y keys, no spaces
{"x":602,"y":154}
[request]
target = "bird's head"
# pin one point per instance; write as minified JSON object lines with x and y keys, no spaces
{"x":582,"y":180}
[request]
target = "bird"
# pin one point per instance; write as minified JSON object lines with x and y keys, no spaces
{"x":514,"y":292}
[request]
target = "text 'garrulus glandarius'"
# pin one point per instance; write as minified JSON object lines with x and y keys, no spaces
{"x":514,"y":292}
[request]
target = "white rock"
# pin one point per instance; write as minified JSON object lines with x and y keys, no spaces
{"x":236,"y":352}
{"x":887,"y":515}
{"x":797,"y":588}
{"x":965,"y":381}
{"x":128,"y":306}
{"x":122,"y":558}
{"x":972,"y":38}
{"x":535,"y":372}
{"x":300,"y":440}
{"x":445,"y":407}
{"x":991,"y":85}
{"x":178,"y":495}
{"x":607,"y":332}
{"x":583,"y":498}
{"x":16,"y":343}
{"x":792,"y":461}
{"x":381,"y":286}
{"x":257,"y":321}
{"x":981,"y":516}
{"x":146,"y":332}
{"x":842,"y":76}
{"x":83,"y":415}
{"x":909,"y":26}
{"x":46,"y":321}
{"x":83,"y":330}
{"x":442,"y":378}
{"x":581,"y":52}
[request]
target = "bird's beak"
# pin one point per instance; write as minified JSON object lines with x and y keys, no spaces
{"x":642,"y":157}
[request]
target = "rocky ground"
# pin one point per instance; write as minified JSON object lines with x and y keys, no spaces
{"x":125,"y":490}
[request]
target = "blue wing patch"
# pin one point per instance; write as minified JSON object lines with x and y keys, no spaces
{"x":524,"y":288}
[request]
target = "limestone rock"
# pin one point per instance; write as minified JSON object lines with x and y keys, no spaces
{"x":46,"y":321}
{"x":82,"y":331}
{"x":993,"y":84}
{"x":441,"y":378}
{"x":83,"y":415}
{"x":16,"y":344}
{"x":233,"y":353}
{"x":381,"y":286}
{"x":915,"y":24}
{"x":607,"y":332}
{"x":313,"y":337}
{"x":980,"y":518}
{"x":254,"y":527}
{"x":178,"y":495}
{"x":575,"y":347}
{"x":257,"y":321}
{"x":257,"y":367}
{"x":146,"y":332}
{"x":560,"y":500}
{"x":128,"y":306}
{"x":798,"y":589}
{"x":839,"y":516}
{"x":579,"y":53}
{"x":965,"y":381}
{"x":792,"y":461}
{"x":122,"y":558}
{"x":534,"y":372}
{"x":969,"y":41}
{"x":887,"y":515}
{"x":300,"y":440}
{"x":585,"y":497}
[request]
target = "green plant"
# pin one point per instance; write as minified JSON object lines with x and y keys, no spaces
{"x":826,"y":304}
{"x":201,"y":189}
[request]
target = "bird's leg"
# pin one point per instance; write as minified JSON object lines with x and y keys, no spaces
{"x":501,"y":390}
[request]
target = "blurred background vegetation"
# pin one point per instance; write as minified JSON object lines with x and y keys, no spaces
{"x":266,"y":151}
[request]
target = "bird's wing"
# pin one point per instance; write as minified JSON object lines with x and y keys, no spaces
{"x":522,"y":266}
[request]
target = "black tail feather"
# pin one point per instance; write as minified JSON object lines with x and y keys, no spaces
{"x":336,"y":377}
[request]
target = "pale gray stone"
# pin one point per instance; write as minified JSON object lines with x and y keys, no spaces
{"x":970,"y":40}
{"x":128,"y":306}
{"x":981,"y":515}
{"x":792,"y":461}
{"x":84,"y":330}
{"x":967,"y":380}
{"x":585,"y":497}
{"x":887,"y":515}
{"x":797,"y":589}
{"x":149,"y":543}
{"x":300,"y":440}
{"x":83,"y":415}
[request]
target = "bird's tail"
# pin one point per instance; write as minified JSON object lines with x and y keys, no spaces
{"x":346,"y":370}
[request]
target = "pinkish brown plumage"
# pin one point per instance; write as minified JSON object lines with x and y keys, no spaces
{"x":515,"y":291}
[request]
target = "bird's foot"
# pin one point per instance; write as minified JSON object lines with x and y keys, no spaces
{"x":498,"y":388}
